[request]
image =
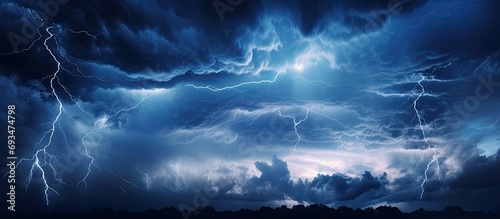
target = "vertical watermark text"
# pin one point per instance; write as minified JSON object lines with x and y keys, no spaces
{"x":11,"y":157}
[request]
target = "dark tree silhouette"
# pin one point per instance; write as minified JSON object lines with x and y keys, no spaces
{"x":315,"y":211}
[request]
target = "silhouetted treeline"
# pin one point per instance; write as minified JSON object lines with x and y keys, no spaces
{"x":297,"y":211}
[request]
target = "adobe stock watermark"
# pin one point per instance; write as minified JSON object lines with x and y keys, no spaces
{"x":222,"y":7}
{"x":482,"y":92}
{"x":31,"y":28}
{"x":12,"y":157}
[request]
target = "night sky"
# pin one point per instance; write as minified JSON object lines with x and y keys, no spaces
{"x":136,"y":104}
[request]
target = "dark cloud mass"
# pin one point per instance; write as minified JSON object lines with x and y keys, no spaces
{"x":238,"y":104}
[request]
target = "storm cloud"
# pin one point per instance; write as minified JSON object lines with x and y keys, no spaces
{"x":237,"y":104}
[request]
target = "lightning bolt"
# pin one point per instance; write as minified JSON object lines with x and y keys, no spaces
{"x":77,"y":67}
{"x":34,"y":41}
{"x":99,"y":123}
{"x":323,"y":83}
{"x":93,"y":36}
{"x":178,"y":184}
{"x":434,"y":159}
{"x":174,"y":172}
{"x":43,"y":160}
{"x":43,"y":151}
{"x":212,"y":88}
{"x":434,"y":14}
{"x":148,"y":180}
{"x":295,"y":124}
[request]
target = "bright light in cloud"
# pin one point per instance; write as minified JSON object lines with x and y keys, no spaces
{"x":314,"y":56}
{"x":299,"y":66}
{"x":148,"y":92}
